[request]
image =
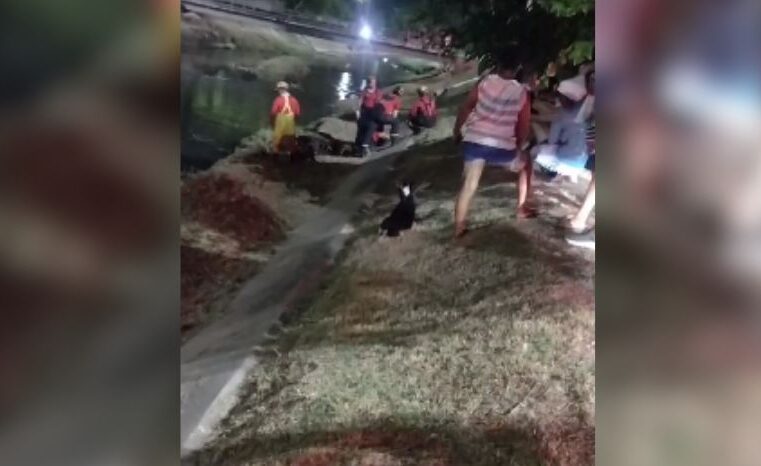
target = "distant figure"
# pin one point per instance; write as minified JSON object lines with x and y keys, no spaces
{"x":493,"y":124}
{"x":285,"y":110}
{"x":369,"y":99}
{"x":423,"y":112}
{"x":403,"y":216}
{"x":387,"y":113}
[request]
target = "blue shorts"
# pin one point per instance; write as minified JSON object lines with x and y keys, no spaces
{"x":472,"y":152}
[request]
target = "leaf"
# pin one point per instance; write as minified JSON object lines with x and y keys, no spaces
{"x":579,"y":52}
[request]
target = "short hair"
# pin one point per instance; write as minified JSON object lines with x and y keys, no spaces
{"x":525,"y":71}
{"x":397,"y":90}
{"x":508,"y":60}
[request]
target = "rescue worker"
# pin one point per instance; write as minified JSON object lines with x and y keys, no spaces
{"x":285,"y":110}
{"x":371,"y":96}
{"x":387,"y":113}
{"x":423,"y":112}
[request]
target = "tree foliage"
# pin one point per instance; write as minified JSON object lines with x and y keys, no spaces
{"x":567,"y":8}
{"x":542,"y":30}
{"x":339,"y":9}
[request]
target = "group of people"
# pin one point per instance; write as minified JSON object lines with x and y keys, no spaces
{"x":437,"y":41}
{"x":378,"y":109}
{"x":494,"y":129}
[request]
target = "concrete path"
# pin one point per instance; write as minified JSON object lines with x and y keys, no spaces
{"x":215,"y":362}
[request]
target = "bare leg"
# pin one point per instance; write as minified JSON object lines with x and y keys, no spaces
{"x":529,"y":169}
{"x":579,"y":221}
{"x":524,"y":188}
{"x":471,"y":175}
{"x":524,"y":181}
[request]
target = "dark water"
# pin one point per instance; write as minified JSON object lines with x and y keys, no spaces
{"x":219,"y":109}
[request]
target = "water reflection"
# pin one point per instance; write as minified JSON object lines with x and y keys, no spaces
{"x":218,"y":110}
{"x":344,"y":85}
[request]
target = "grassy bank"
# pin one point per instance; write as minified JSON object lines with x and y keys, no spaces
{"x":422,"y":350}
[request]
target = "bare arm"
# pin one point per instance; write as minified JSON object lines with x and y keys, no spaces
{"x":523,"y":126}
{"x":465,"y":111}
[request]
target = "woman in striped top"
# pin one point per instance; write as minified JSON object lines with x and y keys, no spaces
{"x":493,"y":124}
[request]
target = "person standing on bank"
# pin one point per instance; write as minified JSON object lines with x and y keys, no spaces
{"x":493,"y":124}
{"x":285,"y":110}
{"x":370,"y":98}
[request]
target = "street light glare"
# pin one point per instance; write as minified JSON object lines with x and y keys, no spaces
{"x":365,"y":32}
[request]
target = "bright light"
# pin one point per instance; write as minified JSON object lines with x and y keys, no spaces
{"x":344,"y":85}
{"x":385,"y":59}
{"x":365,"y":32}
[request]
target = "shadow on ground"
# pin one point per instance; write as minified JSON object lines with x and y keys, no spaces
{"x":423,"y":350}
{"x":391,"y":442}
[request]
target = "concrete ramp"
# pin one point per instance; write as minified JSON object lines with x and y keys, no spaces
{"x":214,"y":363}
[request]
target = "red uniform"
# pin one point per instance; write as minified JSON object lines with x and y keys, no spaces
{"x":391,"y":104}
{"x":279,"y":104}
{"x":424,"y":106}
{"x":370,"y":98}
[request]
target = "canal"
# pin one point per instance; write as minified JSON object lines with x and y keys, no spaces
{"x":221,"y":105}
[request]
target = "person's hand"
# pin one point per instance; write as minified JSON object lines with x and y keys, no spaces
{"x":357,"y":113}
{"x":457,"y":135}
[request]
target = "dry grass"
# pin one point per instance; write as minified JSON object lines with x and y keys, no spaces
{"x":422,"y":350}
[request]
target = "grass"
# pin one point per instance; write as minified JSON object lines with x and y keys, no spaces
{"x":422,"y":350}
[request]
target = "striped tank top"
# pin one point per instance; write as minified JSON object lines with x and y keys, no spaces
{"x":492,"y":122}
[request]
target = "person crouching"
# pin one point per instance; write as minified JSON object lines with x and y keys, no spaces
{"x":566,"y":151}
{"x":387,"y":113}
{"x":423,"y":112}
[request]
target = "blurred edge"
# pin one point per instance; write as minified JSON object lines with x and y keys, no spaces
{"x":89,"y":208}
{"x":678,"y":325}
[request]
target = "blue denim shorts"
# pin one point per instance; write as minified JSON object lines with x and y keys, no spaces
{"x":472,"y":151}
